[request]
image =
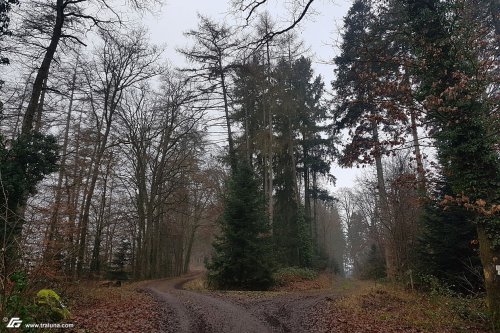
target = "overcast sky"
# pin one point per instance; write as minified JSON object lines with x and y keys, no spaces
{"x":320,"y":31}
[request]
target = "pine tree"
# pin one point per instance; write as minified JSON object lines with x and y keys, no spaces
{"x":243,"y":256}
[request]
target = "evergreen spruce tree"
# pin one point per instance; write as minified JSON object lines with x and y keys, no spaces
{"x":243,"y":256}
{"x":446,"y":248}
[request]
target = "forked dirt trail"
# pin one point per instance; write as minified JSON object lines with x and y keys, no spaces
{"x":246,"y":312}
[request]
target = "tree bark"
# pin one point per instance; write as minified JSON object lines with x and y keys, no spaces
{"x":270,"y":203}
{"x":111,"y":103}
{"x":490,"y":258}
{"x":421,"y":181}
{"x":391,"y":269}
{"x":95,"y":263}
{"x":43,"y":71}
{"x":41,"y":104}
{"x":54,"y":220}
{"x":232,"y":153}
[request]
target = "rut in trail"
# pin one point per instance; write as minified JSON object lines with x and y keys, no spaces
{"x":188,"y":311}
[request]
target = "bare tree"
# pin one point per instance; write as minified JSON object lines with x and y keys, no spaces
{"x":122,"y":63}
{"x":162,"y":137}
{"x":299,"y":10}
{"x":69,"y":17}
{"x":212,"y":50}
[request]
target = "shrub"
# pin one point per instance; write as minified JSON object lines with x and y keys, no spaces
{"x":287,"y":275}
{"x":45,"y":307}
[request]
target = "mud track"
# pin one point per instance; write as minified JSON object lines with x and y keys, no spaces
{"x":189,"y":311}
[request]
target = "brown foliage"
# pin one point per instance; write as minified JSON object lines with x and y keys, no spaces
{"x":124,"y":309}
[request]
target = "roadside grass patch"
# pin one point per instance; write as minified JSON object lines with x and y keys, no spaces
{"x":300,"y":279}
{"x":390,"y":308}
{"x":198,"y":284}
{"x":287,"y":275}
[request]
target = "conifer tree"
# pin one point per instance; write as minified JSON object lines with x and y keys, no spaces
{"x":243,"y":256}
{"x":446,"y":248}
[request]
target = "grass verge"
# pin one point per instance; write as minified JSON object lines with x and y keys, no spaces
{"x":387,"y":308}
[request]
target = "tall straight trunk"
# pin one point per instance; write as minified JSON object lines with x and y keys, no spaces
{"x":270,"y":168}
{"x":421,"y":186}
{"x":269,"y":165}
{"x":293,"y":165}
{"x":142,"y":202}
{"x":20,"y":107}
{"x":73,"y":201}
{"x":291,"y":145}
{"x":43,"y":71}
{"x":189,"y":248}
{"x":384,"y":207}
{"x":95,"y":264}
{"x":307,"y":192}
{"x":108,"y":245}
{"x":41,"y":104}
{"x":53,"y":227}
{"x":247,"y":139}
{"x":101,"y":148}
{"x":232,"y":153}
{"x":314,"y":212}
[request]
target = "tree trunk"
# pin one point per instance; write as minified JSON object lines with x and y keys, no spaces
{"x":232,"y":153}
{"x":384,"y":208}
{"x":95,"y":263}
{"x":270,"y":144}
{"x":14,"y":224}
{"x":43,"y":71}
{"x":314,"y":214}
{"x":490,"y":259}
{"x":39,"y":111}
{"x":53,"y":227}
{"x":73,"y":200}
{"x":189,"y":248}
{"x":421,"y":181}
{"x":20,"y":108}
{"x":85,"y":217}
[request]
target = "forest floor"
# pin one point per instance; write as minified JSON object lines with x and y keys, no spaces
{"x":325,"y":304}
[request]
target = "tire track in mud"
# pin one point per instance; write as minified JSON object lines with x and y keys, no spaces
{"x":189,"y":311}
{"x":221,"y":312}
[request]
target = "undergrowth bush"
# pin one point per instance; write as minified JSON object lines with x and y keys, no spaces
{"x":467,"y":307}
{"x":290,"y":274}
{"x":18,"y":301}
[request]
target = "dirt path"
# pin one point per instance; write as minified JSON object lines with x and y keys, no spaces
{"x":189,"y":311}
